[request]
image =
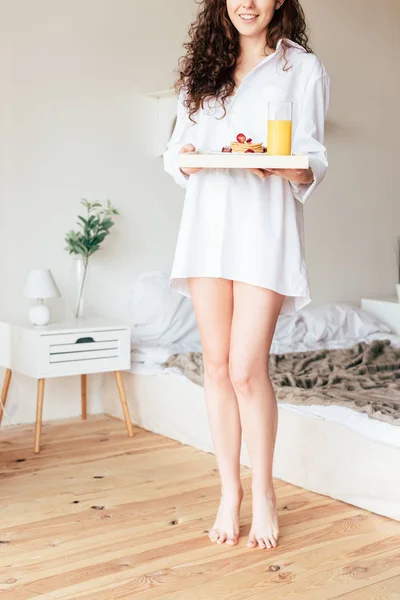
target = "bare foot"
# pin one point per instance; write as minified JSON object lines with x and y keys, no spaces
{"x":264,"y":531}
{"x":226,"y":526}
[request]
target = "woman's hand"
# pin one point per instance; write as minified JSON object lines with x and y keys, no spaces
{"x":293,"y":175}
{"x":188,"y":148}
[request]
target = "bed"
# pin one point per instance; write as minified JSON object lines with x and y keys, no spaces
{"x":331,"y":450}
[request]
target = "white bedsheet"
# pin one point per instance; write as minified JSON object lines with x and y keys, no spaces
{"x":147,"y":360}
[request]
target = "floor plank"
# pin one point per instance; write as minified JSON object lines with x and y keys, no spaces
{"x":97,"y":515}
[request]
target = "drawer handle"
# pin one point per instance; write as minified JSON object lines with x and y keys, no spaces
{"x":84,"y":340}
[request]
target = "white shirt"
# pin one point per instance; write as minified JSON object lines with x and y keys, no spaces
{"x":235,"y":225}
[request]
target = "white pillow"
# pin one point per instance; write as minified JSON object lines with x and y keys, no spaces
{"x":161,"y":316}
{"x":290,"y":329}
{"x":339,"y":322}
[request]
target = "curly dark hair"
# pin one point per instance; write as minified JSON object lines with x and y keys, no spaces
{"x":207,"y":70}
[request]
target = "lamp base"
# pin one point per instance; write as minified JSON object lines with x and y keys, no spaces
{"x":39,"y":315}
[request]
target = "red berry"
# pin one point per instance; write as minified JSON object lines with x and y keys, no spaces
{"x":249,"y":150}
{"x":226,"y":149}
{"x":249,"y":141}
{"x":241,"y":138}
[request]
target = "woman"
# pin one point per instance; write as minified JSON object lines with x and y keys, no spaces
{"x":240,"y":251}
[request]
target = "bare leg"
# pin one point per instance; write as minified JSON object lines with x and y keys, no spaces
{"x":254,"y":320}
{"x":213,"y":306}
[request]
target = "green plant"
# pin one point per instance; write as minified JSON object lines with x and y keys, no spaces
{"x":93,"y":231}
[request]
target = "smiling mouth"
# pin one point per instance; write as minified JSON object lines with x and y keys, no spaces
{"x":248,"y":18}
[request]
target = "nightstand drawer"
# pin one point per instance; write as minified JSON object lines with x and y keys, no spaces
{"x":85,"y":352}
{"x":58,"y":354}
{"x":97,"y":345}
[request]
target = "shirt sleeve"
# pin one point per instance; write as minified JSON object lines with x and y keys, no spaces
{"x":184,"y":133}
{"x":309,"y":134}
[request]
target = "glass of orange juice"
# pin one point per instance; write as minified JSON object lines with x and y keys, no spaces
{"x":280,"y":117}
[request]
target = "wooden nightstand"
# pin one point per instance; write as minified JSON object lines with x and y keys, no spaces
{"x":386,"y":310}
{"x":77,"y":347}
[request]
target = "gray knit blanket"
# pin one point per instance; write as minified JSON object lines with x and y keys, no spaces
{"x":365,"y":377}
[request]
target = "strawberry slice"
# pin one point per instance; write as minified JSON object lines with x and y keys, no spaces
{"x":241,"y":138}
{"x":249,"y":141}
{"x":249,"y":150}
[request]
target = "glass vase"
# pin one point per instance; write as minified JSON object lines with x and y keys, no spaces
{"x":78,"y":288}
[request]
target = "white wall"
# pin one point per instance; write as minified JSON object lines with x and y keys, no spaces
{"x":70,"y":75}
{"x":353,"y":220}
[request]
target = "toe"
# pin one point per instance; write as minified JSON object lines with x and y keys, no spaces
{"x":252,"y":542}
{"x":267,"y":542}
{"x":261,"y":543}
{"x":222,"y":538}
{"x":232,"y":541}
{"x":213,"y":535}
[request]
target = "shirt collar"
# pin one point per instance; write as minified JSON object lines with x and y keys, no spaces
{"x":275,"y":53}
{"x":288,"y":42}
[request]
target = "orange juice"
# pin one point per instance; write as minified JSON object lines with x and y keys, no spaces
{"x":279,"y":137}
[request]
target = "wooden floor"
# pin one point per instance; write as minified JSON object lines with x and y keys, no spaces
{"x":99,"y":516}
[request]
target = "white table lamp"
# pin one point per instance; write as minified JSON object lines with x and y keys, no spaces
{"x":40,"y":285}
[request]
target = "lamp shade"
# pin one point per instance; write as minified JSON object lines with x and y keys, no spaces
{"x":40,"y":284}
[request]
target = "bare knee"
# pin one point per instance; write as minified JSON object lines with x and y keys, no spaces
{"x":217,"y":370}
{"x":246,"y":378}
{"x":242,"y":378}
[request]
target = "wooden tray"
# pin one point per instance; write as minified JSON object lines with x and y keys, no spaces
{"x":239,"y":160}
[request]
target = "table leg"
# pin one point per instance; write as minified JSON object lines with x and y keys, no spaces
{"x":124,"y":403}
{"x":4,"y":392}
{"x":84,"y":397}
{"x":39,"y":413}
